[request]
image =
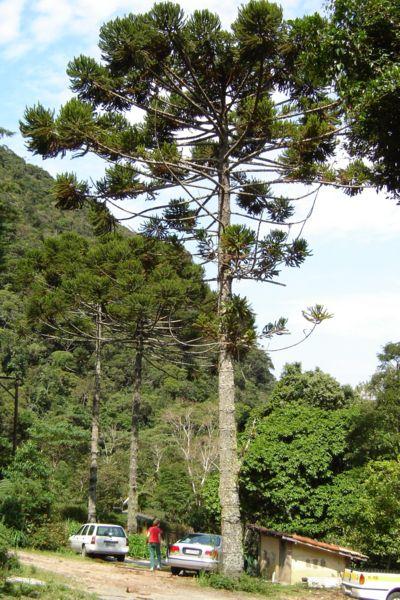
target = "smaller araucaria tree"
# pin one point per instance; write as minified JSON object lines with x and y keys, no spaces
{"x":131,"y":291}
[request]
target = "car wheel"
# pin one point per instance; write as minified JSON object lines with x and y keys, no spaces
{"x":394,"y":596}
{"x":120,"y":557}
{"x":175,"y":570}
{"x":84,"y":551}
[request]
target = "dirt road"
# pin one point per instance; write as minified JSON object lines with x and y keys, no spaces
{"x":111,"y":580}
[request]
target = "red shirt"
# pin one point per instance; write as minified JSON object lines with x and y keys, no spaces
{"x":154,"y":534}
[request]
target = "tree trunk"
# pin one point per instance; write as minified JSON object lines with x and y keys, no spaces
{"x":133,"y":504}
{"x":94,"y":444}
{"x":231,"y":527}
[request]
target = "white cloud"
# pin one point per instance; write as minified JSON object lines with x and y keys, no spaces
{"x":10,"y":20}
{"x":47,"y":21}
{"x":366,"y":215}
{"x":51,"y":20}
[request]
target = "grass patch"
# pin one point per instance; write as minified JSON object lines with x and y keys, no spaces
{"x":61,"y":552}
{"x":55,"y":588}
{"x":253,"y":585}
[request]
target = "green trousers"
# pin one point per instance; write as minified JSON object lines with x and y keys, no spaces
{"x":155,"y":556}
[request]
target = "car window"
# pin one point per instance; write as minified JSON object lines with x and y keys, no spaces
{"x":91,"y":529}
{"x":79,"y":532}
{"x":110,"y":530}
{"x":205,"y":539}
{"x":85,"y":529}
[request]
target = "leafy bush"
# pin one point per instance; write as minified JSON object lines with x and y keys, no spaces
{"x":7,"y":561}
{"x":11,"y":537}
{"x":138,"y":545}
{"x":3,"y":559}
{"x":50,"y":536}
{"x":217,"y":581}
{"x":245,"y":583}
{"x":73,"y":526}
{"x":73,"y":512}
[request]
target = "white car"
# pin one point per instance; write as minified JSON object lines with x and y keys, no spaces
{"x":195,"y":552}
{"x":95,"y":539}
{"x":371,"y":586}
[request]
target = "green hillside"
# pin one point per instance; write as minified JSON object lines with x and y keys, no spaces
{"x":27,"y":190}
{"x":57,"y":388}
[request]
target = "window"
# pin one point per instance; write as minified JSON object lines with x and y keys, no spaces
{"x":85,"y":530}
{"x":91,"y":529}
{"x":204,"y":539}
{"x":110,"y":531}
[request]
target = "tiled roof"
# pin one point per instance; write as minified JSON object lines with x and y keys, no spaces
{"x":299,"y":539}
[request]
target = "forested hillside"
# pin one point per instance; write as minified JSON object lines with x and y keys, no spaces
{"x":318,"y":458}
{"x":177,"y":415}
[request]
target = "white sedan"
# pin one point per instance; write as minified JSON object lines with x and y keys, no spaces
{"x":195,"y":552}
{"x":95,"y":539}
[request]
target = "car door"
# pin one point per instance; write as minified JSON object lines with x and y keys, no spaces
{"x":75,"y":539}
{"x":83,"y":537}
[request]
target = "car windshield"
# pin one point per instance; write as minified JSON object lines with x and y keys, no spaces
{"x":107,"y":530}
{"x":205,"y":539}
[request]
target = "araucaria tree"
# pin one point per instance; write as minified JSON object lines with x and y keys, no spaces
{"x":225,"y":121}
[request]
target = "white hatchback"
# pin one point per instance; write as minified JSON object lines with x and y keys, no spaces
{"x":95,"y":539}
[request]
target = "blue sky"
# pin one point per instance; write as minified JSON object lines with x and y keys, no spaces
{"x":355,"y":241}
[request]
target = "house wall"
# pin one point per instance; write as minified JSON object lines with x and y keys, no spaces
{"x":275,"y":559}
{"x":287,"y":562}
{"x":269,"y":557}
{"x":312,"y":562}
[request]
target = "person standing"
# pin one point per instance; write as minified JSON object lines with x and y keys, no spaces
{"x":154,"y":535}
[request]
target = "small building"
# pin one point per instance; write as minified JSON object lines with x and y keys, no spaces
{"x":291,"y":558}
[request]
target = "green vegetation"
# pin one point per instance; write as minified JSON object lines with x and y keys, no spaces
{"x":43,"y":492}
{"x":254,"y":585}
{"x":134,"y":379}
{"x":54,"y":588}
{"x":212,"y":120}
{"x":313,"y":452}
{"x":364,"y":39}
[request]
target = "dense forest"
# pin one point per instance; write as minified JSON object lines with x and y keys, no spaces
{"x":316,"y":457}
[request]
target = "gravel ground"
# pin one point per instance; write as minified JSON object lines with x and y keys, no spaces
{"x":124,"y":581}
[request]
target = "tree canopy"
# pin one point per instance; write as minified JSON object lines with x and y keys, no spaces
{"x":365,"y":47}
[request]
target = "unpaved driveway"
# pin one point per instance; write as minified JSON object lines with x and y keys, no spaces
{"x":111,"y":580}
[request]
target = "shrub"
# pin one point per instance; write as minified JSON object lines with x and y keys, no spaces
{"x":138,"y":545}
{"x":7,"y":561}
{"x":50,"y":536}
{"x":11,"y":537}
{"x":73,"y":512}
{"x":73,"y":526}
{"x":245,"y":583}
{"x":3,"y":559}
